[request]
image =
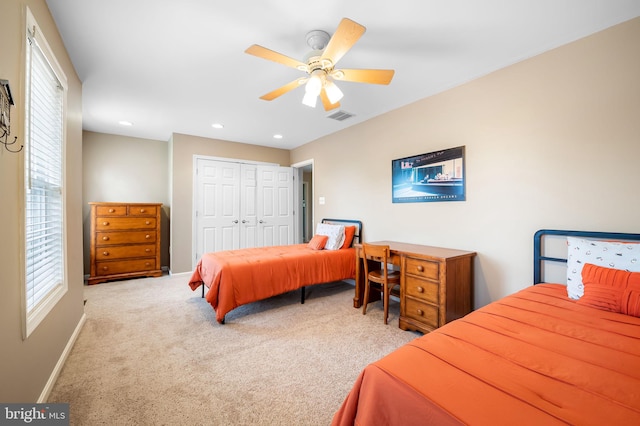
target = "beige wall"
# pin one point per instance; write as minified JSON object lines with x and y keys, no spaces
{"x":182,"y":149}
{"x":551,"y":142}
{"x":27,"y":365}
{"x":124,"y":169}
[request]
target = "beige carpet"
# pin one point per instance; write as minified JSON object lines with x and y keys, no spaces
{"x":151,"y":353}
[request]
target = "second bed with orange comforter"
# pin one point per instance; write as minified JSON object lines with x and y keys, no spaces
{"x":237,"y":277}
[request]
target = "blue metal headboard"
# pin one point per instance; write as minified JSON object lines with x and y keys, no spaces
{"x":357,"y":237}
{"x":538,"y":249}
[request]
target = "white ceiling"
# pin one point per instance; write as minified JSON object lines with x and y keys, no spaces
{"x":177,"y":66}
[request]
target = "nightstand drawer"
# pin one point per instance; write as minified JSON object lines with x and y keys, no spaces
{"x":121,"y":252}
{"x":124,"y":266}
{"x":421,"y":289}
{"x":423,"y":312}
{"x":422,"y":268}
{"x":118,"y":223}
{"x":134,"y":237}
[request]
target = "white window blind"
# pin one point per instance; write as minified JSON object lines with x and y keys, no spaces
{"x":44,"y":180}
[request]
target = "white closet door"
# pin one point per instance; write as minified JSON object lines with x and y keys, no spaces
{"x":275,"y":206}
{"x":217,"y":203}
{"x":240,"y":205}
{"x":248,"y":207}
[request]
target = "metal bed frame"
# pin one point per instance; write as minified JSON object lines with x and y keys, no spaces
{"x":538,"y":245}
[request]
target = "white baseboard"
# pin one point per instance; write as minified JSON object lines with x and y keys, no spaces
{"x":63,"y":358}
{"x":177,"y":274}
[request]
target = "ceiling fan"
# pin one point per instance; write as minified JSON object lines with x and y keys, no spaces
{"x":319,"y":64}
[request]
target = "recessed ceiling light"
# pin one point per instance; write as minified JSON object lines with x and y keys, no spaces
{"x":217,"y":126}
{"x":278,"y":136}
{"x":125,"y":123}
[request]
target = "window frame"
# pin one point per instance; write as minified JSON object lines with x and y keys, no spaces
{"x":34,"y":316}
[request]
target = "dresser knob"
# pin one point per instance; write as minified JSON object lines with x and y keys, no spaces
{"x":105,"y":253}
{"x":420,"y":312}
{"x":105,"y":223}
{"x":142,"y":210}
{"x":147,"y":223}
{"x":420,"y":290}
{"x":105,"y":268}
{"x":111,"y":210}
{"x":105,"y":238}
{"x":147,"y":236}
{"x":147,"y":264}
{"x":420,"y":268}
{"x":147,"y":250}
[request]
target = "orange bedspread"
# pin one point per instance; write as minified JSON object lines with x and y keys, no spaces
{"x":532,"y":358}
{"x":238,"y":277}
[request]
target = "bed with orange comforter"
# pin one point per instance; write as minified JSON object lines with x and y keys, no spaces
{"x":233,"y":278}
{"x":535,"y":357}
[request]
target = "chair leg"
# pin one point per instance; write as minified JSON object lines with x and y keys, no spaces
{"x":385,"y":296}
{"x":366,"y":298}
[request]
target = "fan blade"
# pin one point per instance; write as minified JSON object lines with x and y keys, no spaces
{"x":264,"y":53}
{"x":328,"y":106}
{"x":347,"y":34}
{"x":364,"y":76}
{"x":284,"y":89}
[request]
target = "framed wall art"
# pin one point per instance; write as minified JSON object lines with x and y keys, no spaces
{"x":434,"y":176}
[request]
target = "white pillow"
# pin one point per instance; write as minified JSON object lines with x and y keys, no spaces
{"x":335,"y":234}
{"x":600,"y":253}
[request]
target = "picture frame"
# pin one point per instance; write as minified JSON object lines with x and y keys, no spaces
{"x":430,"y":177}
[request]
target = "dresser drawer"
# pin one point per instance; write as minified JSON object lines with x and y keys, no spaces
{"x":422,"y":268}
{"x":421,"y":289}
{"x":142,"y":210}
{"x":119,"y":223}
{"x":420,"y":311}
{"x":122,"y":252}
{"x":134,"y":237}
{"x":124,"y":266}
{"x":111,"y":210}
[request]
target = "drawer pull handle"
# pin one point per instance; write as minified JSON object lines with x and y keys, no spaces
{"x":141,"y":210}
{"x":147,"y":223}
{"x":105,"y":223}
{"x":147,"y":250}
{"x":105,"y":268}
{"x":419,"y":311}
{"x":105,"y":253}
{"x":147,"y":236}
{"x":111,"y":210}
{"x":146,"y":264}
{"x":420,"y":290}
{"x":105,"y":238}
{"x":420,"y":268}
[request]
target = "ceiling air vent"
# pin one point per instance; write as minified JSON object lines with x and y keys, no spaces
{"x":340,"y":115}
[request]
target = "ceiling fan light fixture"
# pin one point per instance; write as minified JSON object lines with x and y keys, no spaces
{"x":314,"y":84}
{"x":310,"y":99}
{"x":333,"y":92}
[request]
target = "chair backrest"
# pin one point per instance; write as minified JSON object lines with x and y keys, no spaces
{"x":375,"y":252}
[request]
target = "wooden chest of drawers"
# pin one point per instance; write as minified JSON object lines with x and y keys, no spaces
{"x":435,"y":288}
{"x":125,"y":241}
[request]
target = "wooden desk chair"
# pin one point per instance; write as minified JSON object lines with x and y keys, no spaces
{"x":381,"y":275}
